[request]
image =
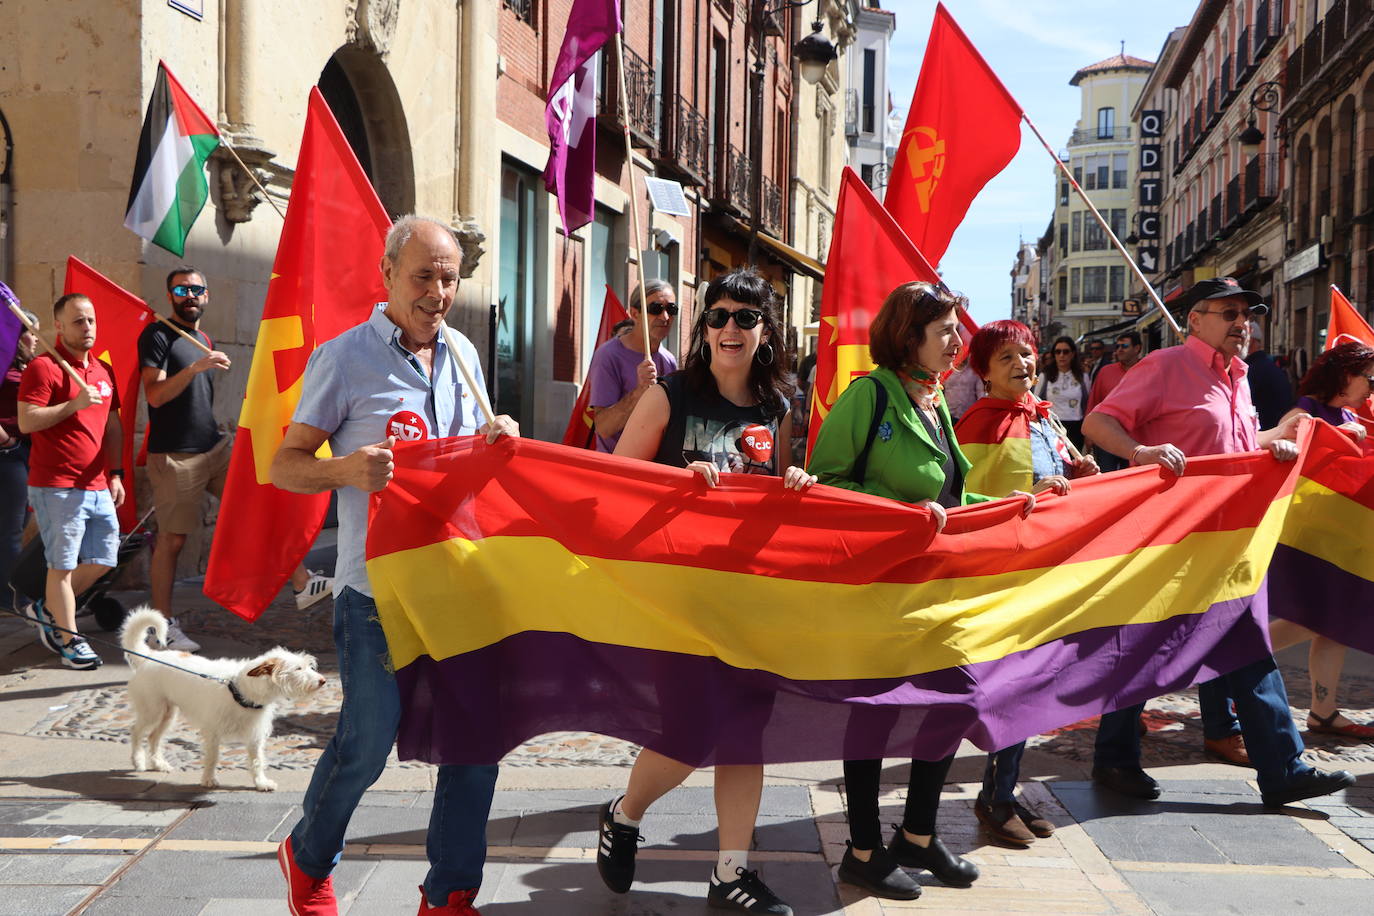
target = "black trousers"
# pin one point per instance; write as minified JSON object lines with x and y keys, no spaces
{"x":861,"y":779}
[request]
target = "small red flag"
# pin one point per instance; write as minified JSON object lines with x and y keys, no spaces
{"x":120,"y":318}
{"x":324,"y":281}
{"x":1346,"y":325}
{"x":962,"y":129}
{"x":581,"y":432}
{"x":869,"y":258}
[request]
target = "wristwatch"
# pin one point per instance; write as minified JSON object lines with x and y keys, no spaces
{"x":115,"y":472}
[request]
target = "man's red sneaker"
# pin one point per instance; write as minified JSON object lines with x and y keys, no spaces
{"x":305,"y":895}
{"x":459,"y":904}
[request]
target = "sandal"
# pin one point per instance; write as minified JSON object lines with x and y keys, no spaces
{"x":1325,"y":725}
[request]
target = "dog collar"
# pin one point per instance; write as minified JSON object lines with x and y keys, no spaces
{"x":239,"y":698}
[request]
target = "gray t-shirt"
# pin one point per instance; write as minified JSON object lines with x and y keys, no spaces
{"x":363,"y":386}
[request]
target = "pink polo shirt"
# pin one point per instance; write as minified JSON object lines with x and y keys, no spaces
{"x":1189,"y":397}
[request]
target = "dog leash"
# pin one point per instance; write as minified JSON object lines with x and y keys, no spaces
{"x":118,"y":647}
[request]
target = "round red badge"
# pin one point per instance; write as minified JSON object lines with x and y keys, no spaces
{"x":407,"y":426}
{"x":757,"y":443}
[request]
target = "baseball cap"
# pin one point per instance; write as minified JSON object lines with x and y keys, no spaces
{"x":1223,"y":288}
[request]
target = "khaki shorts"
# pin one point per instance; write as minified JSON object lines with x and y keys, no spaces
{"x":180,"y":480}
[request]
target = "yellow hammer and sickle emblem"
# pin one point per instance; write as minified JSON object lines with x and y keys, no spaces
{"x":266,"y":408}
{"x":925,"y":156}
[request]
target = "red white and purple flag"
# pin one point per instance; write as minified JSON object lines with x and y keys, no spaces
{"x":570,"y":115}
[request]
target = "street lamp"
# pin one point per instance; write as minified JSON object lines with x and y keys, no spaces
{"x":814,"y":53}
{"x":1264,"y":98}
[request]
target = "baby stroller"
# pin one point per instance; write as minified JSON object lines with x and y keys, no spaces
{"x":30,"y":578}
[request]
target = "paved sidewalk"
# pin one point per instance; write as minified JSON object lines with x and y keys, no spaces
{"x":81,"y":833}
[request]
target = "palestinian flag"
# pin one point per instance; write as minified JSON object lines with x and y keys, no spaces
{"x":169,"y":187}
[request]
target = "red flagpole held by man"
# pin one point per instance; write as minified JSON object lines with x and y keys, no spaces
{"x":581,"y":431}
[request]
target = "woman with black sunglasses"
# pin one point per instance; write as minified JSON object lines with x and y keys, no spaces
{"x":726,"y":411}
{"x":1065,"y":385}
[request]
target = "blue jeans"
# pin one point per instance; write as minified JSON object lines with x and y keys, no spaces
{"x":356,"y":757}
{"x":14,"y":508}
{"x":1218,"y":721}
{"x":1262,"y":707}
{"x":1001,"y":774}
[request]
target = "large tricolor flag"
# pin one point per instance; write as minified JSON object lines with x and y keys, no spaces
{"x":752,"y":624}
{"x":120,"y":318}
{"x":869,"y":258}
{"x":169,"y":187}
{"x":581,"y":431}
{"x":570,"y":115}
{"x":324,"y":281}
{"x":963,"y":128}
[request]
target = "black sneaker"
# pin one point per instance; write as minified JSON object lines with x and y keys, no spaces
{"x":881,"y":876}
{"x":936,"y":858}
{"x":615,"y":854}
{"x":38,"y":615}
{"x":78,"y":654}
{"x":746,"y":894}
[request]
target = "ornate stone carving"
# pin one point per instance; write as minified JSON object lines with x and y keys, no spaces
{"x":470,"y":237}
{"x":237,"y":193}
{"x":372,"y":24}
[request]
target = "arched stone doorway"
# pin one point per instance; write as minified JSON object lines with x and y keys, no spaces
{"x":363,"y":97}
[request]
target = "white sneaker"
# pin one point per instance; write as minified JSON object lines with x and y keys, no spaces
{"x":178,"y":641}
{"x":315,"y":588}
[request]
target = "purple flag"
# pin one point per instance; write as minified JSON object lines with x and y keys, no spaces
{"x":570,"y":115}
{"x":10,"y":327}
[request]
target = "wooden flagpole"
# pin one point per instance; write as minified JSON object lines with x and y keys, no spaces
{"x":1149,"y":290}
{"x":462,"y":365}
{"x":182,"y":331}
{"x":634,"y":193}
{"x":52,"y":351}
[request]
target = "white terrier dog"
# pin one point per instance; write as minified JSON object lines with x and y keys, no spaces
{"x":238,"y":705}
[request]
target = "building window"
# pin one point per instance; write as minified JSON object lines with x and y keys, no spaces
{"x":1078,"y":171}
{"x":826,"y":125}
{"x":1117,"y":284}
{"x":1094,"y":239}
{"x":523,"y":9}
{"x":521,"y":190}
{"x":1063,"y":239}
{"x":1118,"y":223}
{"x":1074,"y":275}
{"x":1094,"y":284}
{"x":1063,"y":193}
{"x":870,"y":89}
{"x":1077,"y":219}
{"x":1063,"y":291}
{"x":1106,"y":123}
{"x":1118,"y":170}
{"x":866,"y":173}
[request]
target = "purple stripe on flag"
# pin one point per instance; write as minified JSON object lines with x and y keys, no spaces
{"x":475,"y":707}
{"x":1321,"y":596}
{"x":570,"y":115}
{"x":10,"y":327}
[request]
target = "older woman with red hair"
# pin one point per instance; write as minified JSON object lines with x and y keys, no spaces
{"x":1014,"y":442}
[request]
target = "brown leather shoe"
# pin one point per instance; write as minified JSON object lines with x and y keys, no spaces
{"x":1036,"y":822}
{"x":1001,"y":821}
{"x":1230,"y":750}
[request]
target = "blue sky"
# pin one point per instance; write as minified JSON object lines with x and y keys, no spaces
{"x":1035,"y":46}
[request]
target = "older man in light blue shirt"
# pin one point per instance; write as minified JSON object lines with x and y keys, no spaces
{"x":391,"y":377}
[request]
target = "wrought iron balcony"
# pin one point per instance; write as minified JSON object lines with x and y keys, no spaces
{"x":732,"y":184}
{"x":642,"y":100}
{"x":1268,"y":27}
{"x":523,"y":9}
{"x":1100,"y":135}
{"x":772,"y":206}
{"x":684,"y":141}
{"x":1234,"y":211}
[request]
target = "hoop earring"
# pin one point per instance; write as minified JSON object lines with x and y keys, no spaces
{"x":987,"y":387}
{"x":706,"y":350}
{"x":764,"y":347}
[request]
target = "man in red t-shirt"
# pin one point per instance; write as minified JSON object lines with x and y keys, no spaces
{"x":75,"y":478}
{"x":1128,"y":353}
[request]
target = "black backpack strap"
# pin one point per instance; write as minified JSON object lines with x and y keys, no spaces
{"x":860,"y":469}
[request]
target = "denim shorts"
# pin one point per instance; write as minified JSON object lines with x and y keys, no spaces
{"x":78,"y":526}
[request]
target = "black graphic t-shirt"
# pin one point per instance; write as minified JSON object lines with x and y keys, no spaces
{"x":737,"y":440}
{"x":186,"y":423}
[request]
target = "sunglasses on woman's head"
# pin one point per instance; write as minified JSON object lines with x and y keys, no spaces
{"x":658,"y":308}
{"x":745,"y":319}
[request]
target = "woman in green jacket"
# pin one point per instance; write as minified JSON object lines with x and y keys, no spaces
{"x":890,"y":435}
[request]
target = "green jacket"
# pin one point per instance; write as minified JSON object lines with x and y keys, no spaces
{"x":903,"y":464}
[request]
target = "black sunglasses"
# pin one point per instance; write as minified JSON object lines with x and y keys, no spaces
{"x":658,"y":308}
{"x":745,"y":319}
{"x":1231,"y":312}
{"x":1059,"y":350}
{"x":182,"y":289}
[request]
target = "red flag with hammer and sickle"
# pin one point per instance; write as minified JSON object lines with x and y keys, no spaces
{"x":963,"y":128}
{"x":324,"y":281}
